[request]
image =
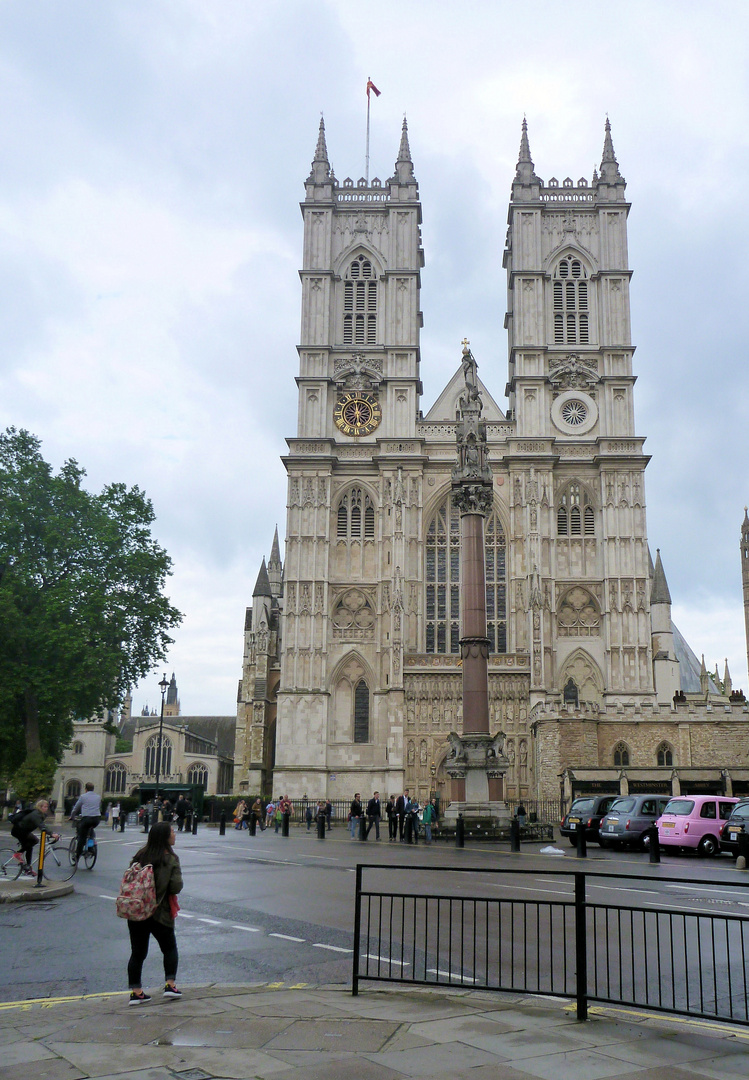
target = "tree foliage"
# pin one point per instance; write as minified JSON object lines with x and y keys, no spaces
{"x":33,"y":780}
{"x":82,"y":610}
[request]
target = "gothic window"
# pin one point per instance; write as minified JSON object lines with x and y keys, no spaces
{"x":360,"y":304}
{"x":361,"y":712}
{"x":114,"y":781}
{"x":665,"y":755}
{"x":152,"y":756}
{"x":575,"y":513}
{"x":442,"y":576}
{"x":77,"y":747}
{"x":198,"y":774}
{"x":356,"y":516}
{"x":73,"y":789}
{"x":354,"y":617}
{"x":621,"y":755}
{"x":570,"y":302}
{"x":578,"y":614}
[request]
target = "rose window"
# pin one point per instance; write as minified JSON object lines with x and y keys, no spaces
{"x":574,"y":412}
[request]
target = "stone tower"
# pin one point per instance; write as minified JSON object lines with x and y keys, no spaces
{"x":352,"y":519}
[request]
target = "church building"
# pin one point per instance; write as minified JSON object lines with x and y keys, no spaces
{"x":351,"y":677}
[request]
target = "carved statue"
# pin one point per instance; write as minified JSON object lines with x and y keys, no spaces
{"x":497,"y":745}
{"x":457,"y":753}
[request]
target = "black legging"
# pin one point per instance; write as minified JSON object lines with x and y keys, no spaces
{"x":140,"y":932}
{"x":26,"y":843}
{"x":84,"y":825}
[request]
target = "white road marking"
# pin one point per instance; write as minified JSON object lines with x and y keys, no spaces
{"x":451,"y":975}
{"x":287,"y":937}
{"x":386,"y":960}
{"x":616,"y":888}
{"x":213,"y":922}
{"x":715,"y":890}
{"x":103,"y":896}
{"x":333,"y":948}
{"x":184,"y":915}
{"x":249,"y":929}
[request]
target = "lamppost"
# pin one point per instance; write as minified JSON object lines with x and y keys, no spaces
{"x":163,"y":686}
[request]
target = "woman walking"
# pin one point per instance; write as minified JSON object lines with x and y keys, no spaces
{"x":159,"y":852}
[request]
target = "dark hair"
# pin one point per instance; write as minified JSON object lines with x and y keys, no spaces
{"x":157,"y":847}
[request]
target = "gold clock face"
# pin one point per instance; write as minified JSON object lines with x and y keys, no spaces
{"x":357,"y":414}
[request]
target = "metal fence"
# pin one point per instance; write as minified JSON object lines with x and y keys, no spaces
{"x":449,"y":934}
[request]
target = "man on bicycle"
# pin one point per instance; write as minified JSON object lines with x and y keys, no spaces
{"x":23,"y":832}
{"x":88,"y":810}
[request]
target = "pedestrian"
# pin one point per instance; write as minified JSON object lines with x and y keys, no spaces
{"x":166,"y":810}
{"x":189,"y":811}
{"x":402,"y":806}
{"x":329,"y":814}
{"x":308,"y":816}
{"x":180,"y":811}
{"x":258,"y":815}
{"x":414,"y":810}
{"x":392,"y":817}
{"x":239,"y":813}
{"x":270,"y":813}
{"x":428,"y":817}
{"x":373,"y":816}
{"x":520,"y":815}
{"x":278,"y":815}
{"x":354,"y":815}
{"x":108,"y":812}
{"x":159,"y":853}
{"x":115,"y":815}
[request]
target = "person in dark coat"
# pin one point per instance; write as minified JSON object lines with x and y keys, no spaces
{"x":355,"y":815}
{"x":373,"y":816}
{"x":23,"y":832}
{"x":392,"y":816}
{"x":159,"y":852}
{"x":402,"y":806}
{"x":180,"y":810}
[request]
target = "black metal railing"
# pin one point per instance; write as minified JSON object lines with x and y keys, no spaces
{"x":450,"y":933}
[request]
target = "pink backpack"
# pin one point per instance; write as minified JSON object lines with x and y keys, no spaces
{"x":137,"y":899}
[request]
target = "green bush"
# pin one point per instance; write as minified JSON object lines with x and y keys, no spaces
{"x":33,"y":780}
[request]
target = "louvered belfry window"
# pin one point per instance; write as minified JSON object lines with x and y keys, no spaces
{"x":570,"y":303}
{"x":360,"y":304}
{"x":575,"y":513}
{"x":355,"y":517}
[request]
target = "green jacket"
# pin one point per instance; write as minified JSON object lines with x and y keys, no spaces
{"x":168,"y":881}
{"x":428,"y":815}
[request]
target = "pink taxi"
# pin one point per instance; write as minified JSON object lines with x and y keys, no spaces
{"x":695,"y":821}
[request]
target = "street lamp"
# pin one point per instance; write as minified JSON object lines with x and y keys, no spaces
{"x":163,"y":686}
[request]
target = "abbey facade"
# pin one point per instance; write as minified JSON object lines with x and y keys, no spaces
{"x":351,"y":677}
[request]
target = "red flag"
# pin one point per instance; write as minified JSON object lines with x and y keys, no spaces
{"x":371,"y":86}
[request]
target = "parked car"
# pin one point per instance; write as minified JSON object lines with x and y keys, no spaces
{"x":737,"y":823}
{"x":695,"y":821}
{"x":590,"y":809}
{"x":629,"y":818}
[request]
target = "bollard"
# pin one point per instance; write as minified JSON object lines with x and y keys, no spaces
{"x":582,"y":851}
{"x":362,"y":828}
{"x":321,"y":826}
{"x":408,"y":832}
{"x":222,"y":824}
{"x":285,"y":818}
{"x":655,"y":844}
{"x":194,"y":824}
{"x":123,"y":818}
{"x":514,"y":835}
{"x":460,"y":832}
{"x":253,"y":825}
{"x":743,"y":850}
{"x":145,"y":822}
{"x":40,"y":867}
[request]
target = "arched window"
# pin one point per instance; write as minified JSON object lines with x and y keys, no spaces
{"x":570,"y":302}
{"x":198,"y":774}
{"x":356,"y":516}
{"x":361,"y":712}
{"x":575,"y":513}
{"x":152,"y":754}
{"x":115,"y":778}
{"x":442,"y":575}
{"x":77,"y":747}
{"x":621,"y":755}
{"x":665,"y":755}
{"x":73,"y":789}
{"x":360,"y":304}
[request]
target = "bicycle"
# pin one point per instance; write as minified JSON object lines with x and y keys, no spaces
{"x":56,"y":866}
{"x":89,"y":853}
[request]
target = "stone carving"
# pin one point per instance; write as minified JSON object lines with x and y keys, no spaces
{"x":497,"y":745}
{"x":473,"y":499}
{"x":573,"y":373}
{"x":457,"y":752}
{"x":358,"y":373}
{"x":353,"y":613}
{"x":578,"y":614}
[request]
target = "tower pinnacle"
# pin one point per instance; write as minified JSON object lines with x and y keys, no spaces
{"x":320,"y":164}
{"x":609,"y":165}
{"x":404,"y":169}
{"x":525,"y":174}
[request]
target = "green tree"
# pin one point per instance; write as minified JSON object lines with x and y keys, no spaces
{"x":82,"y":610}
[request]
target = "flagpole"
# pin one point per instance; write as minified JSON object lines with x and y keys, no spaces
{"x":366,"y":160}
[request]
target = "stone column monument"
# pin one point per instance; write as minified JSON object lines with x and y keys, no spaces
{"x":477,"y":764}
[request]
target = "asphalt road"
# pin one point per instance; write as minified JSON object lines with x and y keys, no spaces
{"x":271,"y":909}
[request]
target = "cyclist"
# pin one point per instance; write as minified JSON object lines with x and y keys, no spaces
{"x":88,"y":810}
{"x":23,"y":831}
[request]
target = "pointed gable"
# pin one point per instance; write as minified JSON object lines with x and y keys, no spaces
{"x":446,"y":404}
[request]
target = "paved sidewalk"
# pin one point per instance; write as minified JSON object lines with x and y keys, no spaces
{"x":11,"y":892}
{"x":323,"y":1033}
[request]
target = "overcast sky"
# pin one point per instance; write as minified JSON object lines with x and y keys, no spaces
{"x":152,"y":158}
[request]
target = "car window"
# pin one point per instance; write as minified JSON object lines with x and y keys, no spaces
{"x":624,"y":806}
{"x":607,"y":804}
{"x":662,"y":804}
{"x":740,"y":811}
{"x":582,"y":806}
{"x":679,"y":807}
{"x":648,"y":807}
{"x":725,"y":810}
{"x":708,"y":810}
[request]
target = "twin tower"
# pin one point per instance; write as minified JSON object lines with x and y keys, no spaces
{"x":351,"y":676}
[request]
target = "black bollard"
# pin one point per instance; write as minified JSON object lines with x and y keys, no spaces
{"x":655,"y":844}
{"x":194,"y":824}
{"x":321,"y":826}
{"x":285,"y":818}
{"x":222,"y":824}
{"x":742,"y":840}
{"x":362,"y":828}
{"x":514,"y":835}
{"x":123,"y":818}
{"x":253,"y":825}
{"x":145,"y":822}
{"x":460,"y":832}
{"x":582,"y":851}
{"x":409,"y":830}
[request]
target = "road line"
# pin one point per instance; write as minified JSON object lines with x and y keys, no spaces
{"x":288,"y":937}
{"x":213,"y":922}
{"x":249,"y":929}
{"x":386,"y":960}
{"x":616,"y":888}
{"x":714,"y":889}
{"x":451,"y":975}
{"x":333,"y":948}
{"x":103,"y":896}
{"x":184,"y":915}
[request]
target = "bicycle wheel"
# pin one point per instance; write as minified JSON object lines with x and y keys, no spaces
{"x":71,"y":849}
{"x":89,"y":856}
{"x":57,"y":865}
{"x":10,"y":866}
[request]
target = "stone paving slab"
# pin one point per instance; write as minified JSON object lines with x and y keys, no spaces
{"x":14,"y":892}
{"x":262,"y":1032}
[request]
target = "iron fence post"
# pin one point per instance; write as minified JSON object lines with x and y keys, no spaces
{"x":581,"y":948}
{"x":514,"y":835}
{"x":357,"y":931}
{"x":460,"y":832}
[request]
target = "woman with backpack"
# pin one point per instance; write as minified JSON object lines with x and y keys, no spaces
{"x":159,"y":853}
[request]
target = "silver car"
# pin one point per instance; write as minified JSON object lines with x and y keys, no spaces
{"x":628,"y":820}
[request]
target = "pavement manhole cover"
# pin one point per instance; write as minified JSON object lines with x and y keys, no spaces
{"x":192,"y":1074}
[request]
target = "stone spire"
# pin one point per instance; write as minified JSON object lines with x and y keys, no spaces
{"x":727,"y":684}
{"x":659,"y":593}
{"x":404,"y":169}
{"x":609,"y":165}
{"x":704,"y":678}
{"x":320,"y":165}
{"x":525,"y":174}
{"x":275,"y":569}
{"x":171,"y":694}
{"x":262,"y":585}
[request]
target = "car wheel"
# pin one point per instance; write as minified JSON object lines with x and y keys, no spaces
{"x":572,"y":841}
{"x":708,"y":846}
{"x":604,"y":843}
